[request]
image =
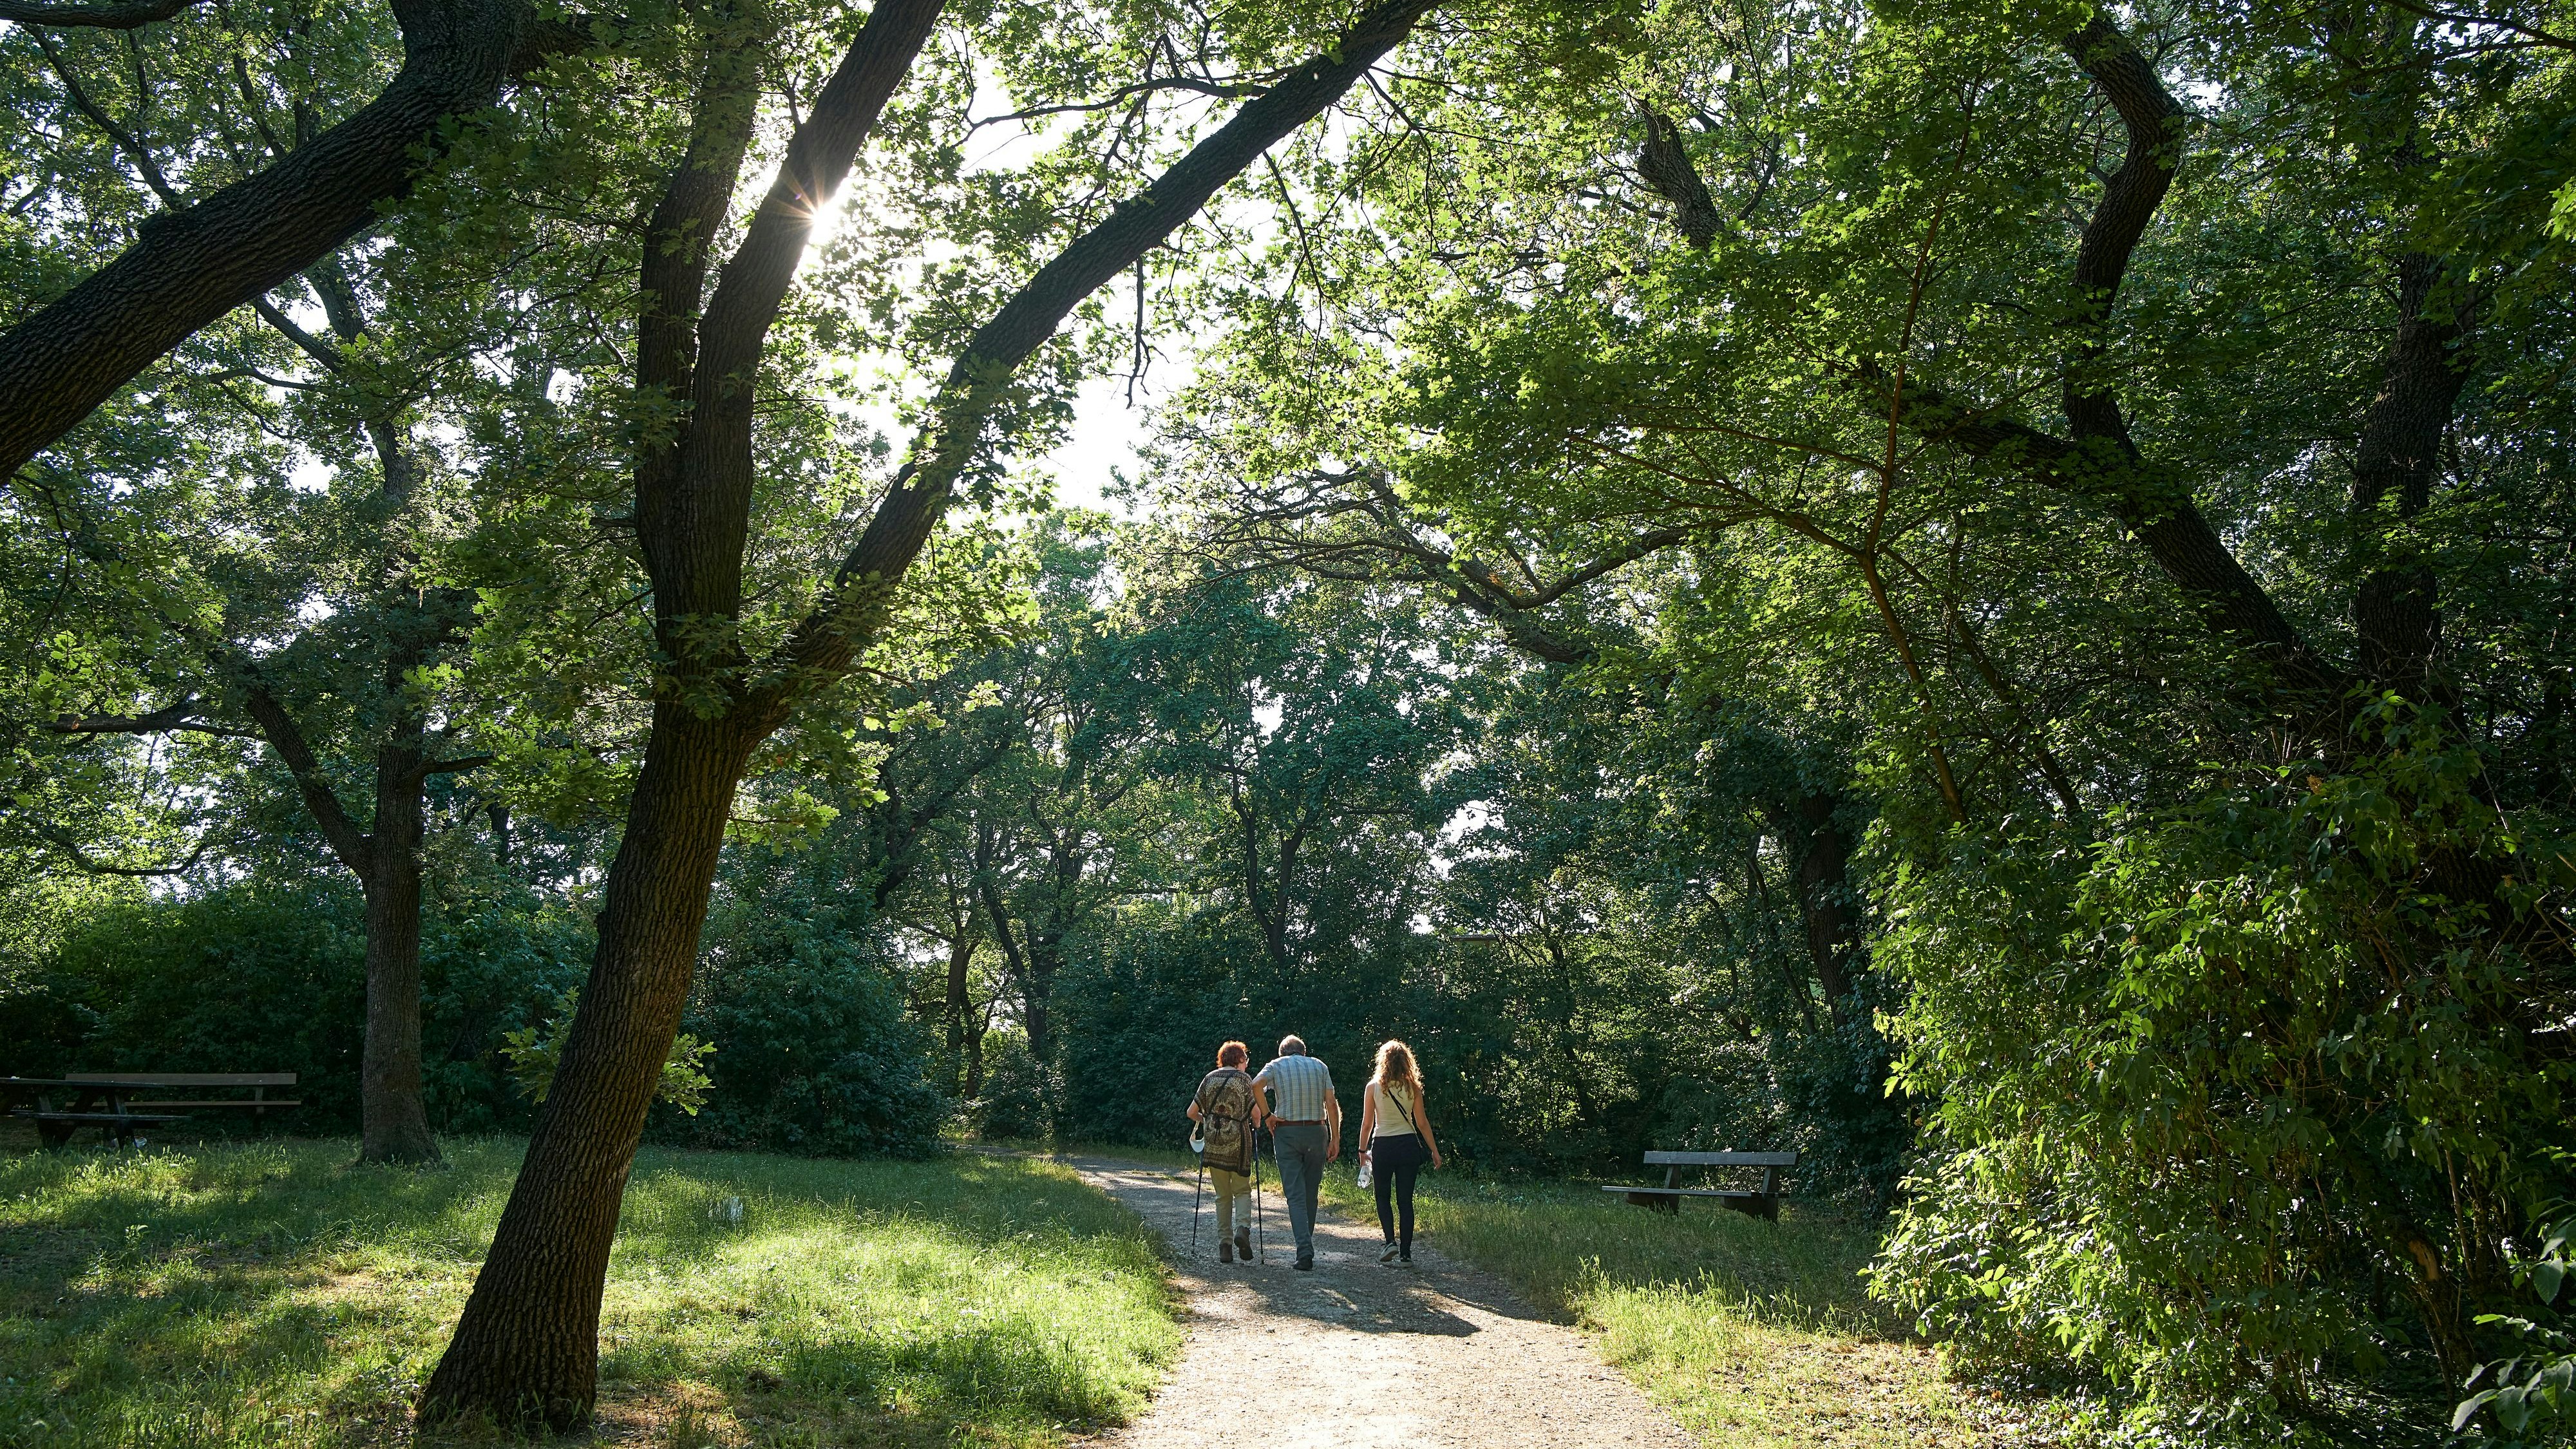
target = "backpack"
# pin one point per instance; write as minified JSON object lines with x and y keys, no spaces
{"x":1225,"y":1109}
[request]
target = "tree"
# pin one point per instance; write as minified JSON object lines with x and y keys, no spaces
{"x":526,"y":1347}
{"x":2057,"y":440}
{"x":314,"y":623}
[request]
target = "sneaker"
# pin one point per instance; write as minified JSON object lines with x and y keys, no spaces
{"x":1224,"y":1251}
{"x":1407,"y":1259}
{"x":1305,"y":1264}
{"x":1388,"y":1256}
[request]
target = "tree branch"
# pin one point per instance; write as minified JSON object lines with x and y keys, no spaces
{"x":862,"y":593}
{"x":95,"y":17}
{"x":1124,"y":94}
{"x":1666,"y":165}
{"x":169,"y":719}
{"x":674,"y":272}
{"x":695,"y":535}
{"x":90,"y":864}
{"x":188,"y":267}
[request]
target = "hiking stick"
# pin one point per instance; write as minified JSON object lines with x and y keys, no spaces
{"x":1194,"y":1205}
{"x":1260,"y":1236}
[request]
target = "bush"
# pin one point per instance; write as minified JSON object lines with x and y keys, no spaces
{"x":252,"y":978}
{"x":1149,"y":1012}
{"x":814,"y":1051}
{"x":1017,"y":1093}
{"x":2225,"y":1096}
{"x":271,"y":977}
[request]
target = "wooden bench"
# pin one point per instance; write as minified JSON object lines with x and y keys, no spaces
{"x":1762,"y":1202}
{"x":117,"y":1103}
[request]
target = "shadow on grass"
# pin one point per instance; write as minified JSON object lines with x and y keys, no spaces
{"x":277,"y":1293}
{"x":1564,"y":1244}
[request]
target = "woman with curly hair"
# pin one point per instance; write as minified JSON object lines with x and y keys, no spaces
{"x":1397,"y":1131}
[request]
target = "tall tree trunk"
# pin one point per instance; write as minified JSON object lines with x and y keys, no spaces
{"x":961,"y":954}
{"x":1824,"y":895}
{"x":1037,"y":1013}
{"x":394,"y":1120}
{"x":527,"y":1347}
{"x":2395,"y":611}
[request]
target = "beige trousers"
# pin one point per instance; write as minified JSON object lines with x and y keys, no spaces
{"x":1227,"y":1186}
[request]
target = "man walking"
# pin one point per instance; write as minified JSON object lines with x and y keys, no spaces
{"x":1306,"y":1127}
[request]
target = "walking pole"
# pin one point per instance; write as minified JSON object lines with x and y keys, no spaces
{"x":1260,"y":1236}
{"x":1194,"y":1205}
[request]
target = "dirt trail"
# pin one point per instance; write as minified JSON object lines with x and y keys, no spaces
{"x":1356,"y":1356}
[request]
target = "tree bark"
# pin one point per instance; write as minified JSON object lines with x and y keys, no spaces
{"x":1823,"y":854}
{"x":961,"y":955}
{"x":2396,"y":610}
{"x":527,"y":1348}
{"x":394,"y":1119}
{"x":189,"y":267}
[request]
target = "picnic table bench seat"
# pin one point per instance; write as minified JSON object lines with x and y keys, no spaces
{"x":1762,"y":1202}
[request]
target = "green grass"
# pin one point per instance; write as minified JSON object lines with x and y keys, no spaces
{"x":1750,"y":1333}
{"x":278,"y":1294}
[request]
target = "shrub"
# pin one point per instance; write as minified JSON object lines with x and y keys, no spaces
{"x":271,"y":976}
{"x":2222,"y":1096}
{"x":1017,"y":1093}
{"x":814,"y":1051}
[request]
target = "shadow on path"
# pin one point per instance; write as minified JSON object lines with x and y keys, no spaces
{"x":1355,"y":1353}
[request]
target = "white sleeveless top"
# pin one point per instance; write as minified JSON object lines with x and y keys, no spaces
{"x":1390,"y":1122}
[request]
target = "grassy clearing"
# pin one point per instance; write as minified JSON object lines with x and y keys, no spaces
{"x":276,"y":1294}
{"x":1751,"y":1334}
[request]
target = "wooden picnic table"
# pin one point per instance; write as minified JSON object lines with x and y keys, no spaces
{"x":1763,"y":1202}
{"x":117,"y":1103}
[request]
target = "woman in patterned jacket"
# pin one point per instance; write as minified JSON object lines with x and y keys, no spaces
{"x":1227,"y":1111}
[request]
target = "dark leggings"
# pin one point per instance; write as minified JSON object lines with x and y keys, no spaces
{"x":1395,"y":1162}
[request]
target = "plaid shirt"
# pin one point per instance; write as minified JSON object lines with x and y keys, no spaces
{"x":1297,"y":1087}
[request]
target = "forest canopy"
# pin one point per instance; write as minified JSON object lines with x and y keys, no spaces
{"x":1980,"y":592}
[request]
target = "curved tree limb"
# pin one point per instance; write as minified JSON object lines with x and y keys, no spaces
{"x":1667,"y":168}
{"x":2100,"y":460}
{"x":131,"y":16}
{"x":189,"y":267}
{"x":176,"y":718}
{"x":62,"y":840}
{"x":861,"y":596}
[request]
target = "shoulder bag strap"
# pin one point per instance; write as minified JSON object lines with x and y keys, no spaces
{"x":1397,"y":1103}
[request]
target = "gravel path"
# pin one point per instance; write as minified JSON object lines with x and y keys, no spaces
{"x":1355,"y":1356}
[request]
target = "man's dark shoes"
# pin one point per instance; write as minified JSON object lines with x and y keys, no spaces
{"x":1224,"y":1251}
{"x":1305,"y":1262}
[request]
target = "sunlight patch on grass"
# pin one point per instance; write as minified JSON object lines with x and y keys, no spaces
{"x":278,"y":1294}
